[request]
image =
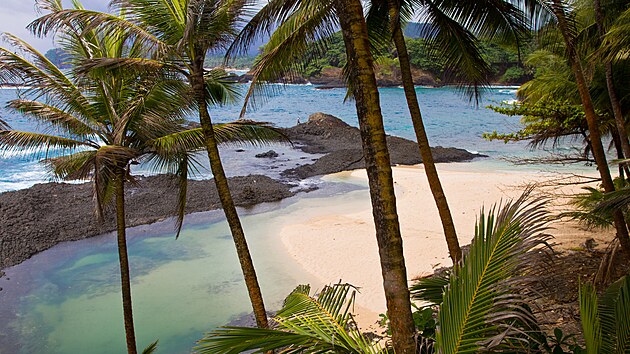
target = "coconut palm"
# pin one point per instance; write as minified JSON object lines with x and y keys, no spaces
{"x":100,"y":122}
{"x":453,"y":37}
{"x":478,"y":309}
{"x":564,"y":18}
{"x":181,"y":33}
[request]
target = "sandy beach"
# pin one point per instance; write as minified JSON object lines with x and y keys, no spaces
{"x":337,"y":241}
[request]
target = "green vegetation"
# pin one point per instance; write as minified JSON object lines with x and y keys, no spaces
{"x":133,"y":77}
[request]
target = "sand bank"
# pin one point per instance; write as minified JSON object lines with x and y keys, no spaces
{"x":336,"y":241}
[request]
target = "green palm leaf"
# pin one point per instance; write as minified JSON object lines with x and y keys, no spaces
{"x":249,"y":132}
{"x":36,"y":143}
{"x":305,"y":324}
{"x":479,"y":310}
{"x":53,"y":115}
{"x":606,"y":321}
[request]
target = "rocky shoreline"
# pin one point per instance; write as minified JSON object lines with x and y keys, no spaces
{"x":44,"y":215}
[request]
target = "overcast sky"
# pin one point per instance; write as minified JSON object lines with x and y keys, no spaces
{"x":15,"y":15}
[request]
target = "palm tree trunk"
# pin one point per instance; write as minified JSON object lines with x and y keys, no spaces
{"x":242,"y":250}
{"x":610,"y":85}
{"x":124,"y":263}
{"x":592,"y":121}
{"x":377,"y":163}
{"x":421,"y":136}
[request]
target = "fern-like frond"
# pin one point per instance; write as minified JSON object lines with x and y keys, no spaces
{"x":480,"y":310}
{"x":38,"y":144}
{"x":305,"y":324}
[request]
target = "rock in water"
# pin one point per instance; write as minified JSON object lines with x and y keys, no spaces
{"x":269,"y":154}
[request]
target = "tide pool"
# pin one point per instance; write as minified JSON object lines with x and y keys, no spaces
{"x":67,"y":300}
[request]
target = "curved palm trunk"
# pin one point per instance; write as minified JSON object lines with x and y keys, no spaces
{"x":379,"y":173}
{"x":124,"y":264}
{"x":593,"y":123}
{"x":610,"y":85}
{"x":242,"y":250}
{"x":421,"y":136}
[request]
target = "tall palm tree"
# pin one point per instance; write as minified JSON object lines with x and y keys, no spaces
{"x":181,"y":33}
{"x":101,"y":121}
{"x":302,"y":22}
{"x":360,"y":73}
{"x":567,"y":28}
{"x":600,"y":21}
{"x":455,"y":27}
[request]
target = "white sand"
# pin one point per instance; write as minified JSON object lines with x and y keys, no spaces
{"x":336,"y":241}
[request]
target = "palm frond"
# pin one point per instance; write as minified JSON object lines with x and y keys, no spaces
{"x":306,"y":28}
{"x":591,"y":326}
{"x":77,"y":166}
{"x":40,"y":74}
{"x":38,"y":144}
{"x":459,"y":49}
{"x":305,"y":324}
{"x":151,"y":348}
{"x":249,"y":132}
{"x":480,"y":310}
{"x":52,"y":115}
{"x":263,"y":22}
{"x":616,"y":44}
{"x":605,"y":321}
{"x":431,"y":289}
{"x":109,"y":25}
{"x":220,"y":90}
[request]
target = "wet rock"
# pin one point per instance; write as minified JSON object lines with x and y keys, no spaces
{"x":32,"y":221}
{"x":269,"y":154}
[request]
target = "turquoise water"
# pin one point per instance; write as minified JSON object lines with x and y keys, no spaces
{"x":450,"y":119}
{"x":67,"y":300}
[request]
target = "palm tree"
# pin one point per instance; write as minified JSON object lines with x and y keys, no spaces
{"x":360,"y":72}
{"x":181,"y":32}
{"x":102,"y":121}
{"x":567,"y":29}
{"x":600,"y":21}
{"x":457,"y":44}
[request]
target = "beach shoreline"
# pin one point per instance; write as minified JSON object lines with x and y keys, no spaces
{"x":337,"y":242}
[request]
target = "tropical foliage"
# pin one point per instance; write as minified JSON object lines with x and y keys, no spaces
{"x":478,"y":307}
{"x":605,"y":321}
{"x":305,"y":324}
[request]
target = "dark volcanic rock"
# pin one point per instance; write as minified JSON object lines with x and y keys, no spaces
{"x":327,"y":134}
{"x":38,"y":218}
{"x":35,"y":219}
{"x":269,"y":154}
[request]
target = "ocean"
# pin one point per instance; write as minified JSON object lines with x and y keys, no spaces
{"x":67,"y":300}
{"x":451,"y":120}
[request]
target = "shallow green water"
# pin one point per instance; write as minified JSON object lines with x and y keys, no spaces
{"x":67,"y":299}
